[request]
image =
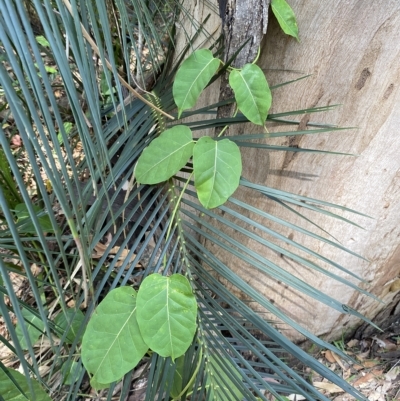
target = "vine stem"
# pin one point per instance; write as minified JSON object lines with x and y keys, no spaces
{"x":178,"y":203}
{"x":192,"y":379}
{"x":176,"y":207}
{"x":227,"y":126}
{"x":258,"y":55}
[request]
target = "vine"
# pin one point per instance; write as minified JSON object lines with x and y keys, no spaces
{"x":162,"y":315}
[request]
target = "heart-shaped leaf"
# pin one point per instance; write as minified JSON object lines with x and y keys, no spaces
{"x":252,"y":93}
{"x":166,"y":313}
{"x":286,"y":18}
{"x":165,"y":155}
{"x":192,"y":77}
{"x":217,"y":168}
{"x":34,"y":326}
{"x":112,"y":344}
{"x":10,"y":392}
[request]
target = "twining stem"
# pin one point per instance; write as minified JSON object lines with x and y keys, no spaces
{"x":192,"y":379}
{"x":258,"y":55}
{"x":178,"y":203}
{"x":227,"y":126}
{"x":175,"y":210}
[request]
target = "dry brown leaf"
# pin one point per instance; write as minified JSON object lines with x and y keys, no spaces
{"x":346,"y":374}
{"x":377,"y":372}
{"x":352,"y":343}
{"x":35,"y":269}
{"x":329,"y":387}
{"x":371,"y":363}
{"x":339,"y":361}
{"x":362,"y":356}
{"x":71,"y":303}
{"x":329,"y":357}
{"x":122,"y":260}
{"x":100,"y":249}
{"x":369,"y":377}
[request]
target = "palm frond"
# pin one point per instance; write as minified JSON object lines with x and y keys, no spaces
{"x":90,"y":230}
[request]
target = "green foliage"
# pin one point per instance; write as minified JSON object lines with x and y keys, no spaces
{"x":70,"y":321}
{"x":111,"y":332}
{"x":13,"y":383}
{"x":34,"y":327}
{"x":103,"y":236}
{"x":67,"y":128}
{"x":24,"y":219}
{"x":71,"y":371}
{"x":252,"y":93}
{"x":162,"y":317}
{"x":167,"y":311}
{"x":165,"y":156}
{"x":220,"y":386}
{"x":217,"y":167}
{"x":7,"y":183}
{"x":286,"y":18}
{"x":177,"y":384}
{"x":42,"y":40}
{"x":193,"y":76}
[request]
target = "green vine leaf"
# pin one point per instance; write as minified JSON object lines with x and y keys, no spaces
{"x":72,"y":321}
{"x":166,"y":313}
{"x":252,"y":93}
{"x":286,"y":18}
{"x":192,"y":77}
{"x":165,"y":155}
{"x":112,"y":344}
{"x":10,"y":392}
{"x":217,"y":167}
{"x":71,"y":372}
{"x":98,"y":386}
{"x":35,"y":327}
{"x":25,"y":224}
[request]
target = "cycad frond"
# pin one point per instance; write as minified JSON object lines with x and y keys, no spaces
{"x":91,"y":231}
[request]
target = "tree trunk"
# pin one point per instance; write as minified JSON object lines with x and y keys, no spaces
{"x":352,"y":50}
